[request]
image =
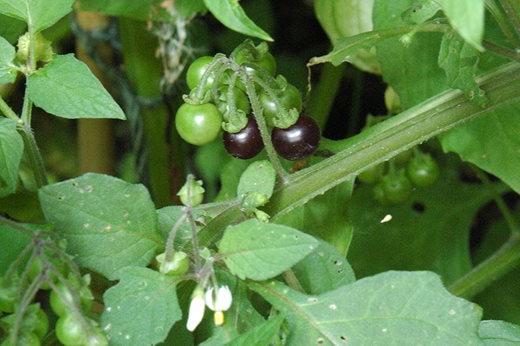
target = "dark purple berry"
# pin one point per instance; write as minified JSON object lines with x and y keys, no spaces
{"x":244,"y":144}
{"x":297,"y":141}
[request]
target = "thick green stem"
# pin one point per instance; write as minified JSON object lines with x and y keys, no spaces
{"x":8,"y":111}
{"x":33,"y":155}
{"x":402,"y":132}
{"x":384,"y":141}
{"x":27,"y":109}
{"x":499,"y":264}
{"x":501,"y":51}
{"x":323,"y":94}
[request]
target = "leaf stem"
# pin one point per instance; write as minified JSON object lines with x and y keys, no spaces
{"x":501,"y":51}
{"x":168,"y":252}
{"x":480,"y":277}
{"x":29,"y":295}
{"x":8,"y":111}
{"x":292,"y":281}
{"x":27,"y":108}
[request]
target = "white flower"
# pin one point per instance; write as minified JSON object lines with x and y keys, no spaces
{"x":221,"y":301}
{"x":197,"y":307}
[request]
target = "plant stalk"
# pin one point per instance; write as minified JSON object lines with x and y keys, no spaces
{"x":8,"y":111}
{"x":480,"y":277}
{"x":380,"y":143}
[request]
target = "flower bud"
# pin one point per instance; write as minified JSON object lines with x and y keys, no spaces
{"x":178,"y":265}
{"x":192,"y":192}
{"x":197,"y":307}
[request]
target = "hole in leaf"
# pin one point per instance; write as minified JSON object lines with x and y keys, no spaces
{"x":418,"y":207}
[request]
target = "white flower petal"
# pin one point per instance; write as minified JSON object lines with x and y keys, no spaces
{"x":224,"y":299}
{"x":210,"y":299}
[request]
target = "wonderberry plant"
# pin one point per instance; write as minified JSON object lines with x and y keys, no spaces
{"x":368,"y":199}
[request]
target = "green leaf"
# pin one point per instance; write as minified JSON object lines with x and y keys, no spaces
{"x":108,"y":224}
{"x":421,"y":11}
{"x":231,"y":14}
{"x":467,"y":18}
{"x":325,"y":217}
{"x":168,"y":216}
{"x":491,"y":142}
{"x":38,"y":14}
{"x":67,"y":88}
{"x":459,"y":61}
{"x":413,"y":70}
{"x":499,"y":333}
{"x":141,"y":308}
{"x":323,"y":270}
{"x":259,"y":177}
{"x":229,"y":178}
{"x":11,"y":152}
{"x":346,"y":18}
{"x":414,"y":74}
{"x":7,"y":55}
{"x":260,"y":251}
{"x":406,"y":308}
{"x":11,"y":28}
{"x":429,"y":232}
{"x":12,"y":242}
{"x":261,"y":335}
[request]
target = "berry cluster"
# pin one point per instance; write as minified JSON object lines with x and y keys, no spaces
{"x":394,"y":180}
{"x":223,"y":101}
{"x":70,"y":299}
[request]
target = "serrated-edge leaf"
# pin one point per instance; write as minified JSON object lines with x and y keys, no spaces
{"x":109,"y":224}
{"x":232,"y":15}
{"x":141,"y":308}
{"x":67,"y":88}
{"x":259,"y":251}
{"x":408,"y":308}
